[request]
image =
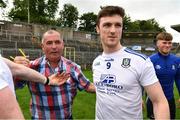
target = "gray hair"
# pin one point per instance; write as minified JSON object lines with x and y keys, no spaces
{"x":51,"y":32}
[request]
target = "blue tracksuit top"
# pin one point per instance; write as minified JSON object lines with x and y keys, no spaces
{"x":167,"y":70}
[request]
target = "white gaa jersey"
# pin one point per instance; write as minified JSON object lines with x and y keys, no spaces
{"x":118,"y":78}
{"x":5,"y":76}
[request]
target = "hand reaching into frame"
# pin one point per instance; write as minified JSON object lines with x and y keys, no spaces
{"x":22,"y":60}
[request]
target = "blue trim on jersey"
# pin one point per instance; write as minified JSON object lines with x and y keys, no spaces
{"x":136,"y":53}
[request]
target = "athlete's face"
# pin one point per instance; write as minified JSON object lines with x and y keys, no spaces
{"x":110,"y":30}
{"x":164,"y":46}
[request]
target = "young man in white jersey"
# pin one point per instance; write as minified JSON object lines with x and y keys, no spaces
{"x":120,"y":73}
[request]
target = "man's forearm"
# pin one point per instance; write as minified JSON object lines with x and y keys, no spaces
{"x":161,"y":110}
{"x":159,"y":101}
{"x":30,"y":75}
{"x":9,"y":106}
{"x":25,"y":73}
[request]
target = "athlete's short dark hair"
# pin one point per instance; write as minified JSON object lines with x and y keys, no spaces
{"x":110,"y":11}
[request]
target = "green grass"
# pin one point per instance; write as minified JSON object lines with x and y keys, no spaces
{"x":83,"y":106}
{"x":23,"y":98}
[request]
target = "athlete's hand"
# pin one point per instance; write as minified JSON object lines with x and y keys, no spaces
{"x":58,"y":79}
{"x":22,"y":60}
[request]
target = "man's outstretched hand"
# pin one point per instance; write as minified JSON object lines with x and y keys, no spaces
{"x":55,"y":79}
{"x":58,"y":79}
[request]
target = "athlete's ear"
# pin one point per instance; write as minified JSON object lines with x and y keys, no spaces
{"x":97,"y":29}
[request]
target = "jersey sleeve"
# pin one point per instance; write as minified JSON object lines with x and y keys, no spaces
{"x":3,"y":83}
{"x":148,"y":75}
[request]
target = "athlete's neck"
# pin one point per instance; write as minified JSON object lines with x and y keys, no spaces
{"x":164,"y":53}
{"x":108,"y":50}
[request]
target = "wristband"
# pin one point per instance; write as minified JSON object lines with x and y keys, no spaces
{"x":47,"y":81}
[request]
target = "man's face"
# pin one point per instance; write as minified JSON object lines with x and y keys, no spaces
{"x":164,"y":47}
{"x":110,"y":30}
{"x":53,"y":47}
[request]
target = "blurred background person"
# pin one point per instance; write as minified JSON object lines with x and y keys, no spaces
{"x":167,"y":67}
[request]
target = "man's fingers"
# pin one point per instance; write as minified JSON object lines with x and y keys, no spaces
{"x":59,"y":79}
{"x":63,"y":74}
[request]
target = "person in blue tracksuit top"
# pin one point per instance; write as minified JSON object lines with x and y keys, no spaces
{"x":167,"y":67}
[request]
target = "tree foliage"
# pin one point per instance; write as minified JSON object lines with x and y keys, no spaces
{"x":43,"y":11}
{"x":126,"y":22}
{"x":40,"y":11}
{"x":150,"y":25}
{"x":52,"y":7}
{"x":68,"y":16}
{"x":88,"y":22}
{"x":2,"y":4}
{"x":19,"y":12}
